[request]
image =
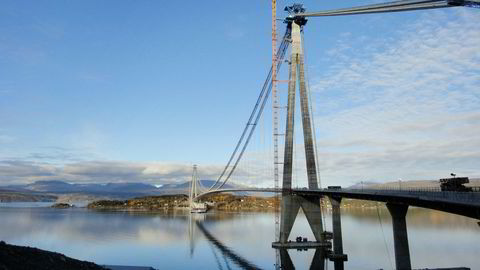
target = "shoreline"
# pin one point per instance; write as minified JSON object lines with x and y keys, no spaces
{"x":25,"y":257}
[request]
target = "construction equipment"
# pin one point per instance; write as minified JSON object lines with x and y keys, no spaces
{"x":454,"y":184}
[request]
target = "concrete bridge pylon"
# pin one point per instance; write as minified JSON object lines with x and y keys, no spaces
{"x":291,"y":203}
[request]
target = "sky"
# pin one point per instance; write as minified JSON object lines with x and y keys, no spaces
{"x":139,"y":91}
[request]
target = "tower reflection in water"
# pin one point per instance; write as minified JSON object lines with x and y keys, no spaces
{"x":228,"y":255}
{"x":318,"y":261}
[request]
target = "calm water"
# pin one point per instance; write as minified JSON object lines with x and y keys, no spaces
{"x":174,"y":240}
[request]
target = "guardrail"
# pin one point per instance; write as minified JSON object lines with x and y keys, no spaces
{"x":426,"y":189}
{"x":471,"y":197}
{"x":430,"y":192}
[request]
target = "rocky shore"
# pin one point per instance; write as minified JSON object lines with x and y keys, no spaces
{"x":62,"y":205}
{"x":25,"y":258}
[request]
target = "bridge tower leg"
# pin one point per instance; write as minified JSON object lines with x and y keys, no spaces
{"x":290,"y":207}
{"x":400,"y":236}
{"x":292,"y":203}
{"x":311,"y":208}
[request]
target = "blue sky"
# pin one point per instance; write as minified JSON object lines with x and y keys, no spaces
{"x":106,"y":91}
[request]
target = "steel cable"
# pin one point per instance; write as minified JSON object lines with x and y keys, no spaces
{"x":252,"y":129}
{"x":395,"y":6}
{"x":262,"y":98}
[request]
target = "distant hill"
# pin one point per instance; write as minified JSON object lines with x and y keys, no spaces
{"x":51,"y":186}
{"x":364,"y":184}
{"x":64,"y":187}
{"x":9,"y":196}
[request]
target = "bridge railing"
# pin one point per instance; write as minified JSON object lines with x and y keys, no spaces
{"x":426,"y":189}
{"x":429,"y":192}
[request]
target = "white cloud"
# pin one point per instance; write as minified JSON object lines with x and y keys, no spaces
{"x":27,"y":171}
{"x":408,"y":108}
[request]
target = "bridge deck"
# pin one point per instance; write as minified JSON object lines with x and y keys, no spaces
{"x":462,"y":203}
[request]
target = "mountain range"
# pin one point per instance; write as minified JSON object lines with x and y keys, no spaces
{"x":113,"y":189}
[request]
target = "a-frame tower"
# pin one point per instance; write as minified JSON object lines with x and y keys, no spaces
{"x":291,"y":203}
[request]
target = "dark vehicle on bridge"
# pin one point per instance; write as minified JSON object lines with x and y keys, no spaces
{"x":334,"y":187}
{"x":455,"y":184}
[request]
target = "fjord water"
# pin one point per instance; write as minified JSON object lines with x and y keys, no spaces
{"x":173,"y":239}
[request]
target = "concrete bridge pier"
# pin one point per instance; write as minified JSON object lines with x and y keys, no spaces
{"x":400,"y":236}
{"x":338,"y":257}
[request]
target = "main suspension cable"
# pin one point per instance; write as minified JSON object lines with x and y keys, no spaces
{"x":395,"y":6}
{"x":250,"y":127}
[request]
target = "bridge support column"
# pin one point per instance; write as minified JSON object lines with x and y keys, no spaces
{"x":338,"y":256}
{"x":400,"y":236}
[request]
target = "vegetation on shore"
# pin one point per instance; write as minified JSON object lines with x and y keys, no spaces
{"x":143,"y":203}
{"x":225,"y":201}
{"x":244,"y":203}
{"x":219,"y":201}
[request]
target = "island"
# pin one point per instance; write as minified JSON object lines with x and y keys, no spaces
{"x":62,"y":205}
{"x":227,"y":202}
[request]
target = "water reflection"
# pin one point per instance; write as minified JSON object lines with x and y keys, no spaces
{"x":227,"y":252}
{"x":318,"y":261}
{"x":172,"y":240}
{"x":286,"y":263}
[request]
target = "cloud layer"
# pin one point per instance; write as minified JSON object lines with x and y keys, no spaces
{"x":17,"y":171}
{"x":407,"y":107}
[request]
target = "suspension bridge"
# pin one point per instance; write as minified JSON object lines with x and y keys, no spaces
{"x":308,"y":198}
